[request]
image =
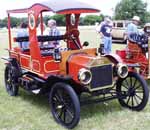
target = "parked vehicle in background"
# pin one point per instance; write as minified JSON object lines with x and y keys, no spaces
{"x":118,"y":31}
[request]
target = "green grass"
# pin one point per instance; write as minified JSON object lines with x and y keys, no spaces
{"x":32,"y":112}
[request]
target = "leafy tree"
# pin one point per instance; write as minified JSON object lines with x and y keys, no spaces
{"x":87,"y":20}
{"x":126,"y":9}
{"x":14,"y":21}
{"x":2,"y":24}
{"x":147,"y":17}
{"x":81,"y":21}
{"x":92,"y":19}
{"x":46,"y":18}
{"x":59,"y":18}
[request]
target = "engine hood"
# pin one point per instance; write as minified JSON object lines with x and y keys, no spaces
{"x":76,"y":62}
{"x":68,"y":56}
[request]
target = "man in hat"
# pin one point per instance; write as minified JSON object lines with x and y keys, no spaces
{"x":105,"y":32}
{"x":133,"y":26}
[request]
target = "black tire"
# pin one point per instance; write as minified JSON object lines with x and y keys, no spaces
{"x":11,"y":80}
{"x":65,"y":106}
{"x":132,"y":92}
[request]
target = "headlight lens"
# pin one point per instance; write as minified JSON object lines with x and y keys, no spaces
{"x":122,"y":70}
{"x":85,"y":76}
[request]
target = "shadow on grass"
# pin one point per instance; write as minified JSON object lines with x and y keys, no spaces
{"x":41,"y":101}
{"x":102,"y":108}
{"x":38,"y":100}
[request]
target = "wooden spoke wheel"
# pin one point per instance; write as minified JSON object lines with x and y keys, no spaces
{"x":11,"y":80}
{"x":65,"y":105}
{"x":133,"y":92}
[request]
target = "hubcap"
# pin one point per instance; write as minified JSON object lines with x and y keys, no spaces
{"x":131,"y":91}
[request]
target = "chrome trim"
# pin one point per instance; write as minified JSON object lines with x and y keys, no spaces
{"x":120,"y":67}
{"x":82,"y":72}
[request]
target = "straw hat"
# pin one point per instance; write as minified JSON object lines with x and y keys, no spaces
{"x":147,"y":25}
{"x":136,"y":18}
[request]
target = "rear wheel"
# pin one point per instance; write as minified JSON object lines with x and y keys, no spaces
{"x":11,"y":80}
{"x":133,"y":92}
{"x":65,"y":105}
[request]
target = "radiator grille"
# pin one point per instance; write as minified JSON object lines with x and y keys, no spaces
{"x":101,"y":76}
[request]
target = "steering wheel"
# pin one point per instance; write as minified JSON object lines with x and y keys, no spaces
{"x":73,"y":35}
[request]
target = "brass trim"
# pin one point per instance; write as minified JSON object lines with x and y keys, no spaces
{"x":100,"y":88}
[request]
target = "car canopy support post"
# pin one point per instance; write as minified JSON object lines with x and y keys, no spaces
{"x":148,"y":57}
{"x":41,"y":23}
{"x":72,"y":29}
{"x":9,"y":32}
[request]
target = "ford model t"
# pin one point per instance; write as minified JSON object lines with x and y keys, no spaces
{"x":65,"y":73}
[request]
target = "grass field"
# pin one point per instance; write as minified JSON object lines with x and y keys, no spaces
{"x":32,"y":112}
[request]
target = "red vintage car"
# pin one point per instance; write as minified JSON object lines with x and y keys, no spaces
{"x":65,"y":73}
{"x":137,"y":52}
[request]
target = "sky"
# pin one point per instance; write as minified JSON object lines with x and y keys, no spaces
{"x":106,"y":6}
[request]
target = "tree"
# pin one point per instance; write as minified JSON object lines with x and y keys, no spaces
{"x":60,"y":19}
{"x":2,"y":24}
{"x":126,"y":9}
{"x":92,"y":19}
{"x":14,"y":22}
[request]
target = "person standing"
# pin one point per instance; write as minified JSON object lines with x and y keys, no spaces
{"x":105,"y":32}
{"x":131,"y":31}
{"x":133,"y":26}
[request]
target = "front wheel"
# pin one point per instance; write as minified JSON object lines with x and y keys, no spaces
{"x":132,"y":92}
{"x":65,"y":105}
